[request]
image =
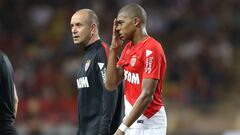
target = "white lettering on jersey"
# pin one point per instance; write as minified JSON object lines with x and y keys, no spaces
{"x":149,"y":63}
{"x":82,"y":82}
{"x":131,"y":77}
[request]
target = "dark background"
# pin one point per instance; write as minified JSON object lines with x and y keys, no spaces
{"x":201,"y":40}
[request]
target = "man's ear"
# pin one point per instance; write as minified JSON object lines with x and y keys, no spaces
{"x":93,"y":28}
{"x":137,"y":21}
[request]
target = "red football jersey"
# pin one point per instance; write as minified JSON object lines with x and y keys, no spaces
{"x":144,"y":60}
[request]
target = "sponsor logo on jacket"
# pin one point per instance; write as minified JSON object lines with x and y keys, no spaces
{"x":82,"y":82}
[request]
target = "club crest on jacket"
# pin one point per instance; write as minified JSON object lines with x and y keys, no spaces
{"x":87,"y":65}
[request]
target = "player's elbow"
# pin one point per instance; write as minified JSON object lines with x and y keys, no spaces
{"x":110,"y":86}
{"x":147,"y":96}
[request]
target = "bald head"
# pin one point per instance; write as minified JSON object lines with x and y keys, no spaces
{"x":90,"y":15}
{"x":84,"y":26}
{"x":134,"y":10}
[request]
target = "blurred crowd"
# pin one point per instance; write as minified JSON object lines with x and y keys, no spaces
{"x":201,"y":39}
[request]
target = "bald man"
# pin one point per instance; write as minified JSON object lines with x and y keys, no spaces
{"x":142,"y":66}
{"x":97,"y":113}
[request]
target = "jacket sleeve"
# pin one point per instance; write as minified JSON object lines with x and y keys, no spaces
{"x":109,"y":98}
{"x":7,"y":80}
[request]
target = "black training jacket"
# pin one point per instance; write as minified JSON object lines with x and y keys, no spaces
{"x":100,"y":112}
{"x":6,"y":91}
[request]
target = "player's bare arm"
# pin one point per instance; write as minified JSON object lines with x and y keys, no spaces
{"x":114,"y":73}
{"x":148,"y":89}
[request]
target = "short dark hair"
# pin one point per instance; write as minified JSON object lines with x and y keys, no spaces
{"x":135,"y":10}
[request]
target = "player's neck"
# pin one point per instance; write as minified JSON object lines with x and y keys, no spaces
{"x":139,"y":36}
{"x":93,"y":39}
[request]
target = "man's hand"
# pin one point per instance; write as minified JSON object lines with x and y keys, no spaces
{"x":119,"y":132}
{"x":115,"y":36}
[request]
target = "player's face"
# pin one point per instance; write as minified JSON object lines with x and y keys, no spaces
{"x":80,"y":28}
{"x":125,"y":26}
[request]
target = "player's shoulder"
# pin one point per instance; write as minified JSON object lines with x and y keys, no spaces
{"x":101,"y":49}
{"x":101,"y":45}
{"x":152,"y":43}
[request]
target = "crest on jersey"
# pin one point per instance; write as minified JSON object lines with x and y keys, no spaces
{"x":133,"y":60}
{"x":87,"y":64}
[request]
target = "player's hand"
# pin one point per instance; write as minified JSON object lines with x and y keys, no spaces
{"x":119,"y":132}
{"x":115,"y":36}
